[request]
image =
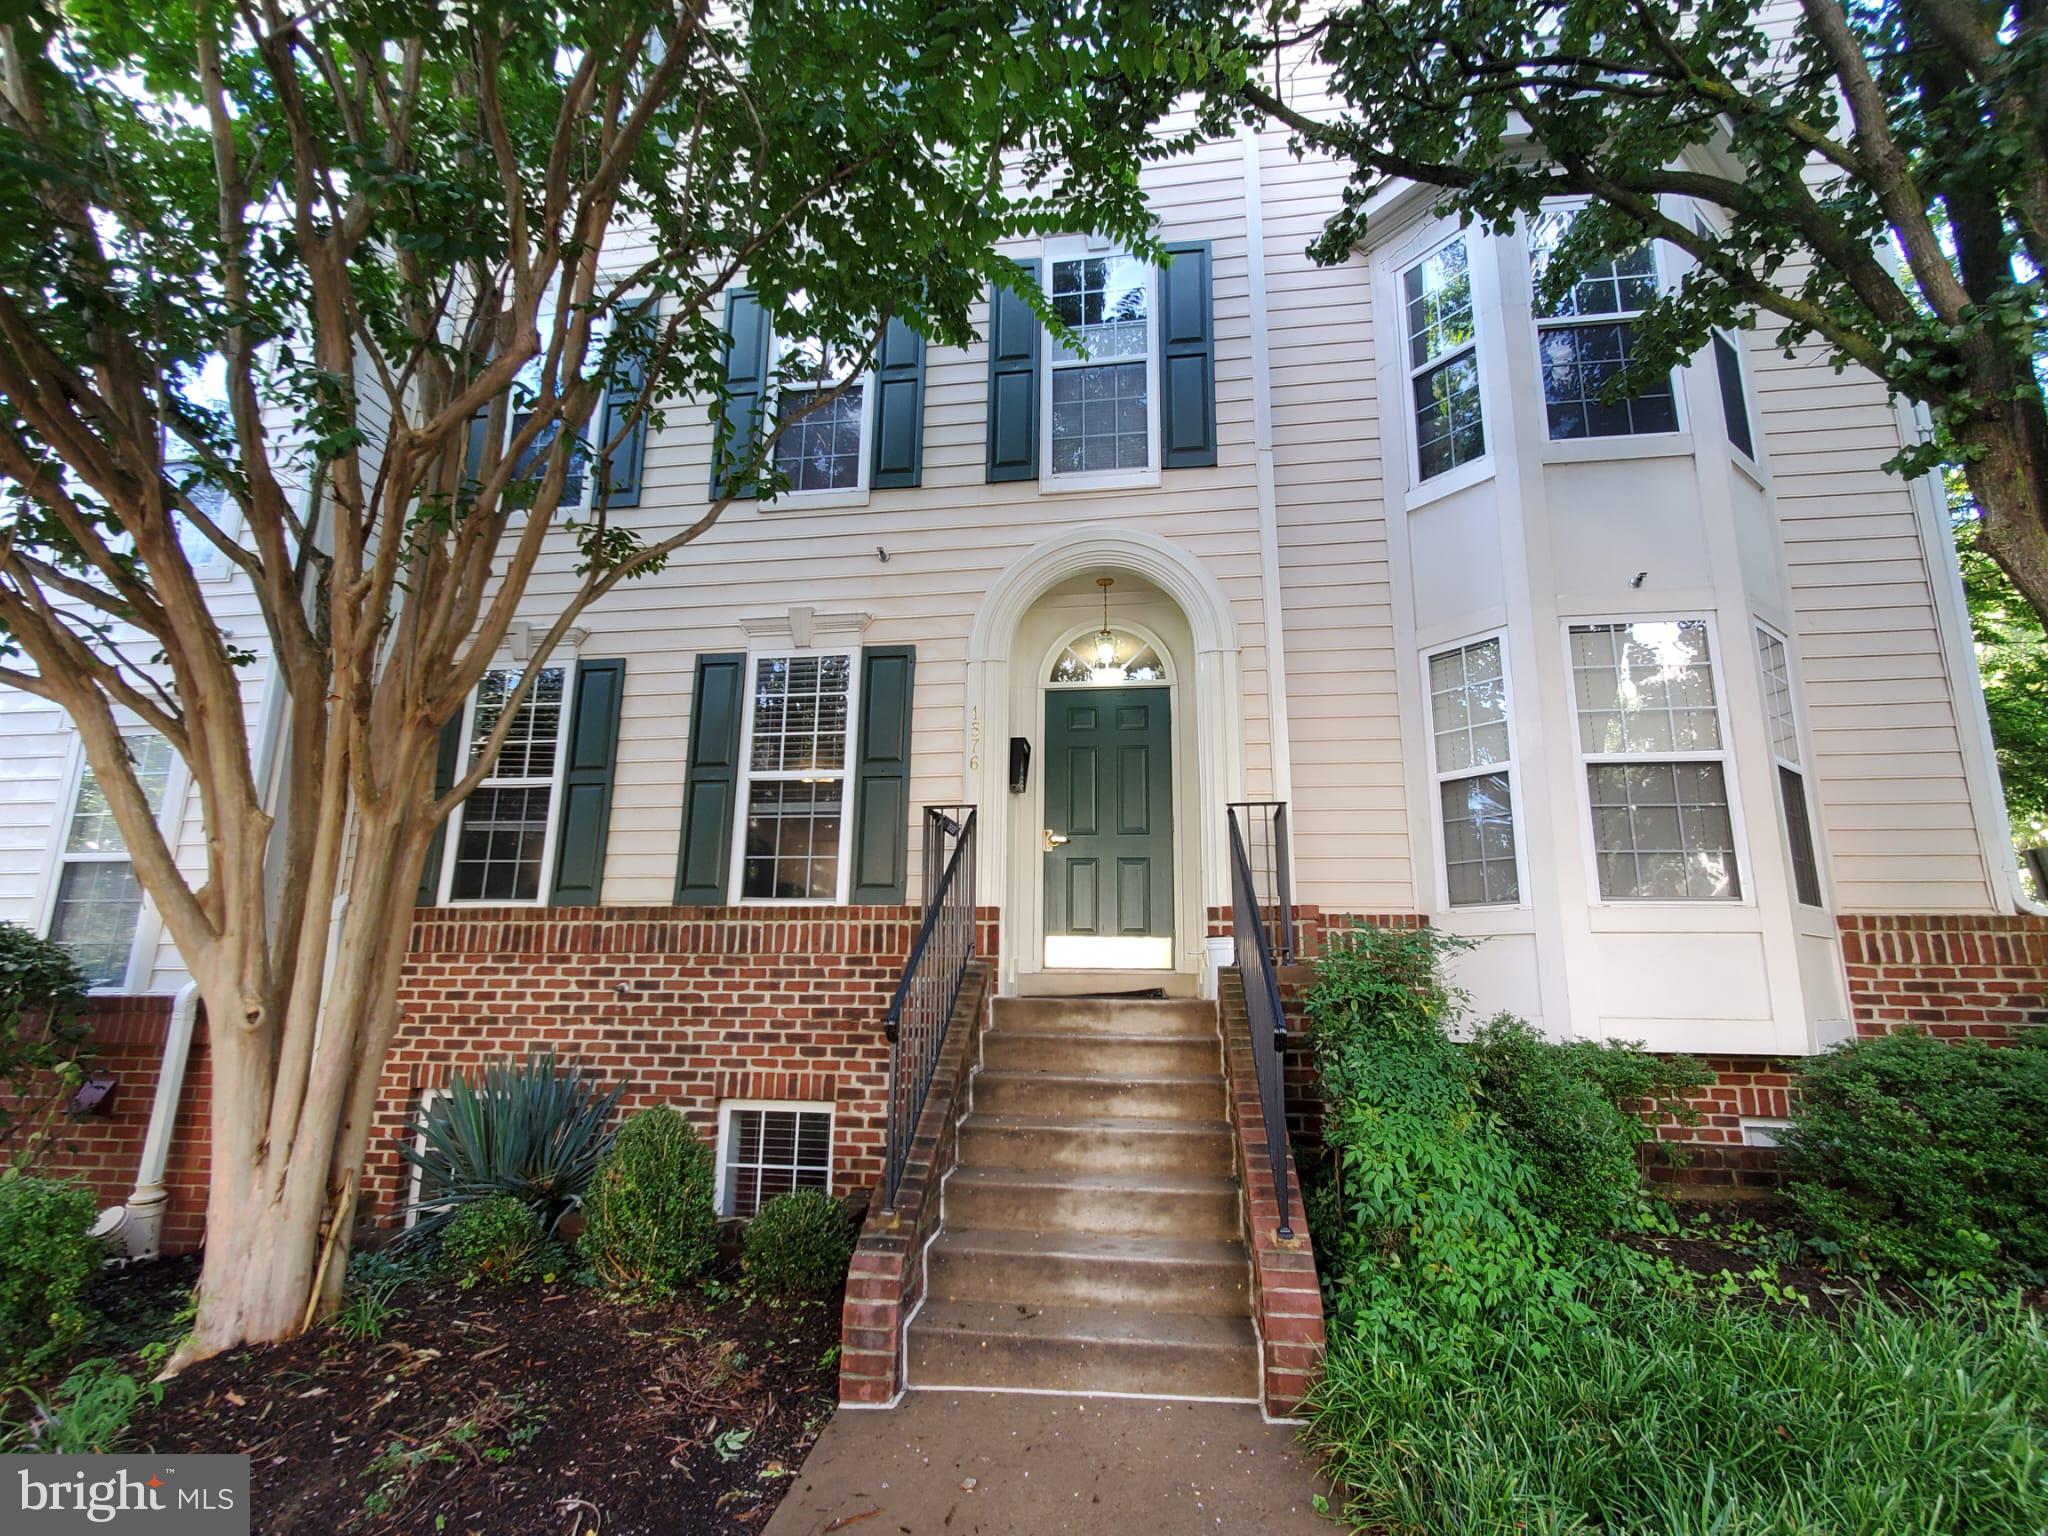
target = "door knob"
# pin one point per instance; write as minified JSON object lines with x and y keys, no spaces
{"x":1053,"y":839}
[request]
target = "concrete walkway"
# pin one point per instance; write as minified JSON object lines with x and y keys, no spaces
{"x":961,"y":1463}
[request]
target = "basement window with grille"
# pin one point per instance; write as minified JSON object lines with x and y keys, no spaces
{"x":765,"y":1150}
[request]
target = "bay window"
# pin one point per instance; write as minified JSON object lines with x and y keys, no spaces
{"x":1776,"y":664}
{"x":1586,"y":337}
{"x":1654,"y":748}
{"x":1472,"y":764}
{"x":1443,"y":360}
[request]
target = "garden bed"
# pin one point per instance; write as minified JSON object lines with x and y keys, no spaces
{"x":542,"y":1408}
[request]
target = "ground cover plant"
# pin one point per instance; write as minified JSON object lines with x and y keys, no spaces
{"x":1922,"y":1156}
{"x":1500,"y":1362}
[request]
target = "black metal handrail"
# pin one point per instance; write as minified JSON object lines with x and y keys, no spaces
{"x":1250,"y":920}
{"x":932,"y":976}
{"x":1264,"y":825}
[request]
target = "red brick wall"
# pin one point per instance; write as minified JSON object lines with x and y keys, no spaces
{"x":689,"y":1005}
{"x":1955,"y":975}
{"x":105,"y":1148}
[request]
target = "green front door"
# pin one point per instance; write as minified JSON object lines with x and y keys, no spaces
{"x":1108,"y":813}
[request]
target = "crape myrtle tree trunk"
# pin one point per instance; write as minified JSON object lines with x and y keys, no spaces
{"x":331,"y":293}
{"x":1874,"y":174}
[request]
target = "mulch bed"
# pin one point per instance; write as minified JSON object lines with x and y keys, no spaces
{"x":1749,"y":1247}
{"x":542,"y":1409}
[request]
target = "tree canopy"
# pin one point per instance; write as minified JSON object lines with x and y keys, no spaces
{"x":1872,"y":174}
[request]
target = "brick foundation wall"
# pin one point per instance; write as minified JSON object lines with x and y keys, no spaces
{"x":687,"y":1005}
{"x":1954,"y":975}
{"x":886,"y":1280}
{"x":105,"y":1148}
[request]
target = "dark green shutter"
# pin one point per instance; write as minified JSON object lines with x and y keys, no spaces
{"x":586,"y":811}
{"x":711,"y":783}
{"x":899,"y":408}
{"x":881,"y":784}
{"x":447,"y":760}
{"x":629,"y":377}
{"x":1013,"y":347}
{"x":737,"y":435}
{"x":1187,"y":359}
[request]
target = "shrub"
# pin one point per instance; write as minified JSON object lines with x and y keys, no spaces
{"x":651,"y":1223}
{"x":1701,"y":1421}
{"x":44,"y":1049}
{"x":1577,"y":1112}
{"x":798,"y":1244}
{"x":48,"y":1257}
{"x":1927,"y":1156}
{"x":494,"y":1241}
{"x":533,"y":1130}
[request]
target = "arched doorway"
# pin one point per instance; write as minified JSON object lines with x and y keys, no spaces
{"x":1171,"y":724}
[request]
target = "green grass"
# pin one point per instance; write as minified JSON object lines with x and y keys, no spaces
{"x":1695,"y":1419}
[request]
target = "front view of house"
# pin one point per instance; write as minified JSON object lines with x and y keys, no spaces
{"x":1669,"y":702}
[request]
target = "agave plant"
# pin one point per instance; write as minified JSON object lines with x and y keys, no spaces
{"x":534,"y":1130}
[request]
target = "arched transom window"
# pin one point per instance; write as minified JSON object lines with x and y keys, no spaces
{"x":1108,"y":658}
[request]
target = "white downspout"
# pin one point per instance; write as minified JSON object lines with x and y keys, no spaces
{"x":137,"y":1226}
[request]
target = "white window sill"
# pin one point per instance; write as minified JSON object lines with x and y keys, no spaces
{"x":815,"y":501}
{"x":532,"y":901}
{"x":789,"y":901}
{"x":1120,"y":480}
{"x":1450,"y":482}
{"x":1747,"y":467}
{"x":1594,"y":450}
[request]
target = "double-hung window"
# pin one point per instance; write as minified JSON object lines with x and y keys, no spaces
{"x":1101,"y":415}
{"x":1779,"y":710}
{"x":504,"y":832}
{"x":1587,"y":337}
{"x":793,"y":839}
{"x":97,"y":905}
{"x":1443,"y":360}
{"x":765,"y":1150}
{"x":1472,"y":761}
{"x":825,"y":440}
{"x":1654,"y":747}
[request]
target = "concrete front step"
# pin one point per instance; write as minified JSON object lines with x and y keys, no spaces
{"x":1053,"y":1200}
{"x":1090,"y":1269}
{"x":1134,"y":1055}
{"x":1125,"y":1142}
{"x":1108,"y":1016}
{"x":1083,"y":1349}
{"x":1005,"y":1091}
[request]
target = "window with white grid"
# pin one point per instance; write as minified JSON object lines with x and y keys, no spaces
{"x":503,"y":830}
{"x":1653,"y":744}
{"x":1101,"y":400}
{"x":1443,"y":360}
{"x":1776,"y":664}
{"x":1472,"y":758}
{"x":1587,"y":336}
{"x":97,"y":905}
{"x":825,"y":435}
{"x":792,"y":842}
{"x":765,"y":1150}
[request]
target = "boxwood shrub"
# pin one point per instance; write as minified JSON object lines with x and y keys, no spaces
{"x":494,"y":1241}
{"x":651,"y":1226}
{"x":48,"y":1258}
{"x":799,"y":1244}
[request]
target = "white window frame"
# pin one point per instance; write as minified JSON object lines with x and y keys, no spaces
{"x":428,"y":1098}
{"x":1745,"y":867}
{"x":1439,"y":776}
{"x":1659,"y":275}
{"x":1472,"y":470}
{"x":726,"y":1107}
{"x":148,"y":924}
{"x":1796,"y":704}
{"x":1081,"y":248}
{"x":212,"y":565}
{"x":736,"y":880}
{"x":771,"y":405}
{"x":451,"y":843}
